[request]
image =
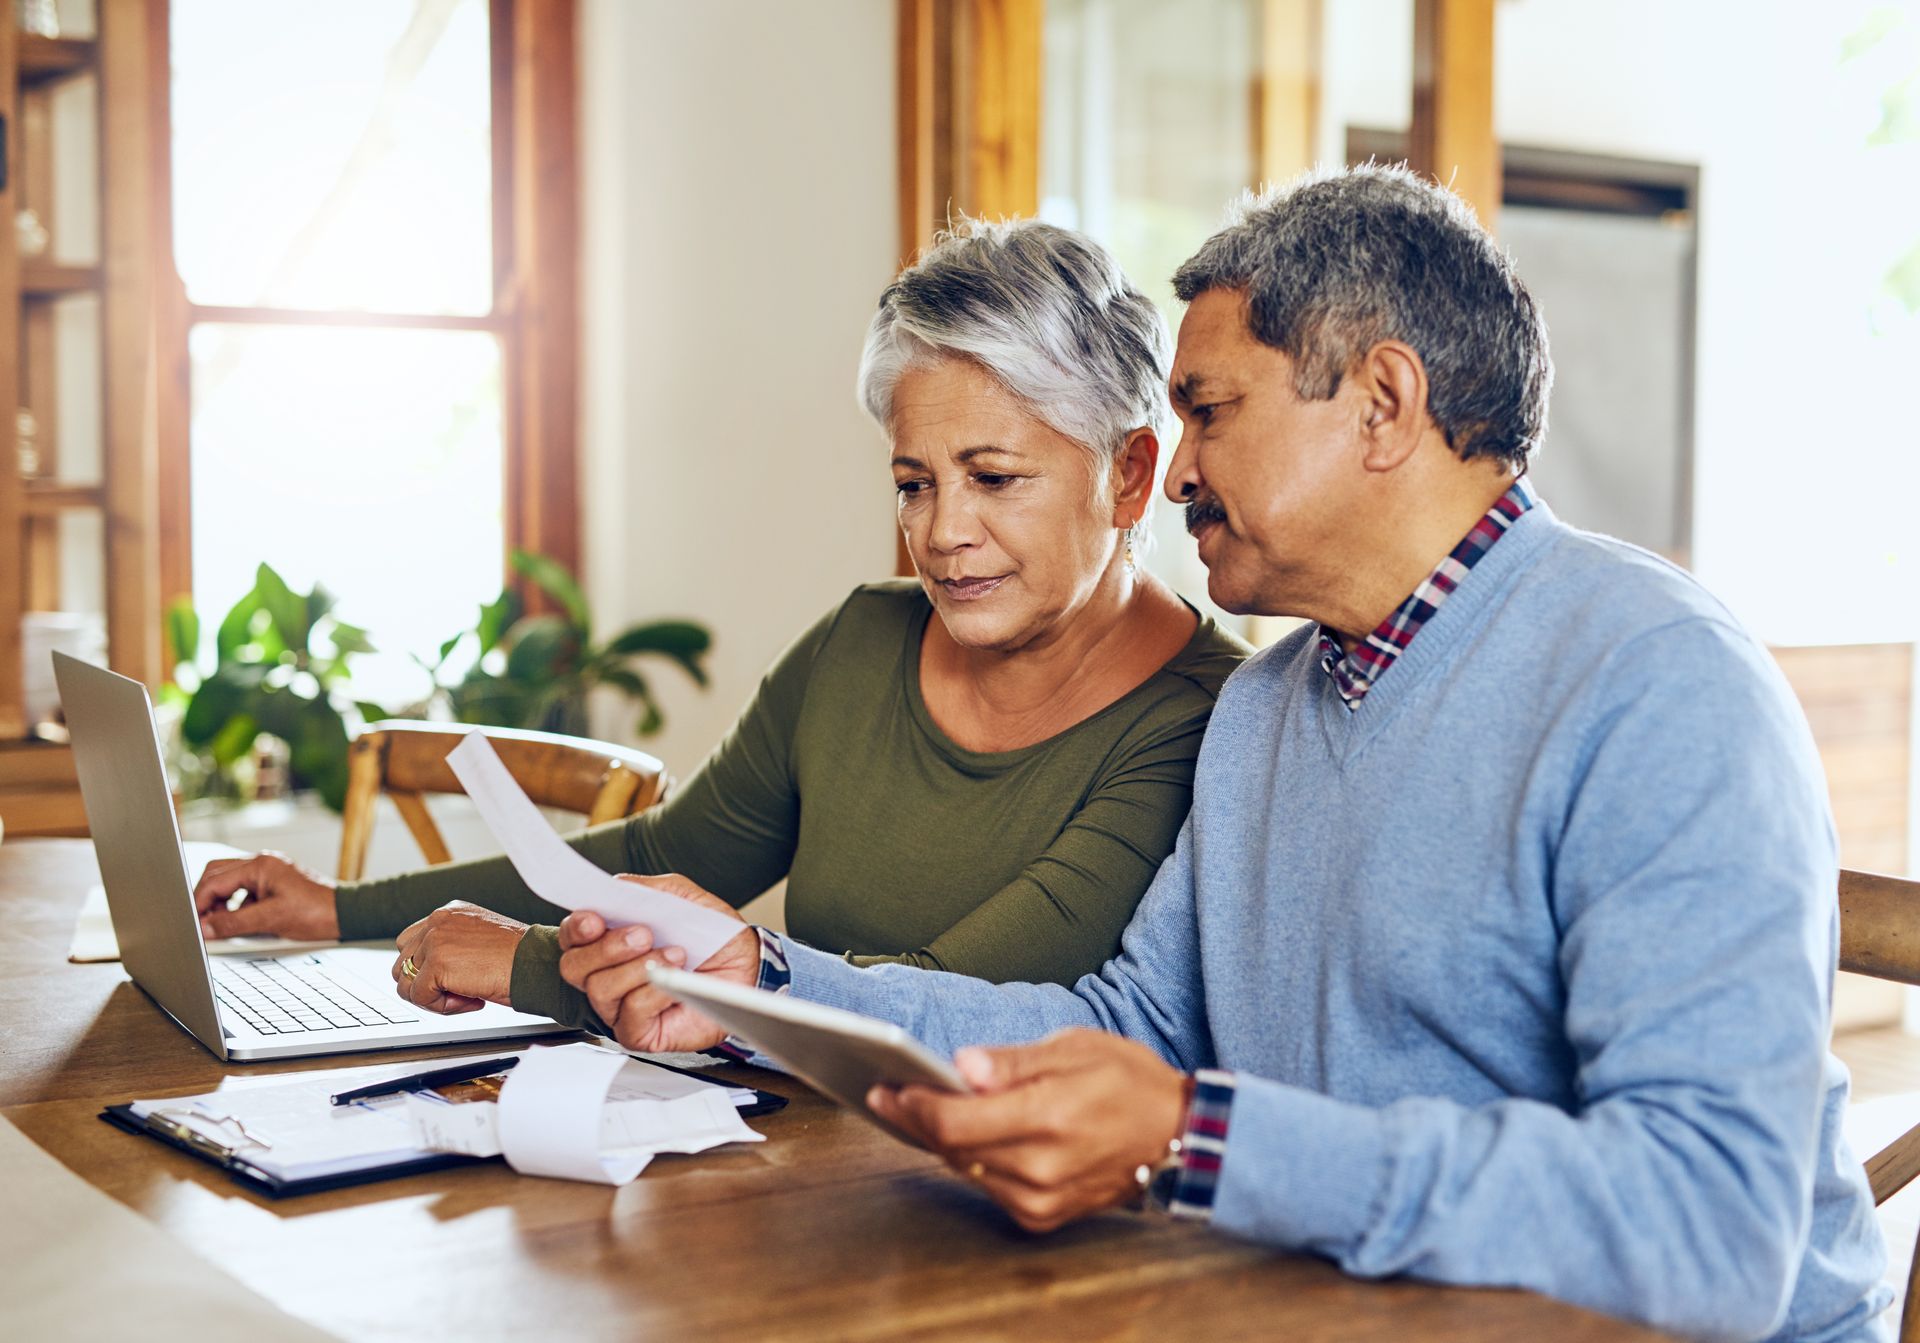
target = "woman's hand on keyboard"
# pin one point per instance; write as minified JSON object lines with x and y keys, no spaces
{"x":279,"y":897}
{"x":457,"y":959}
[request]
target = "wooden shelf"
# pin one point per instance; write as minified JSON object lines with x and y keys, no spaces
{"x":36,"y":765}
{"x":45,"y":497}
{"x":44,"y":59}
{"x":45,"y":279}
{"x":39,"y":790}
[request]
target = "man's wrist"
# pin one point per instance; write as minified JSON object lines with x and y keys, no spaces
{"x":1155,"y":1180}
{"x":772,"y":976}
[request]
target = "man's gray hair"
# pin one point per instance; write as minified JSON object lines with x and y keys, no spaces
{"x":1336,"y":262}
{"x":1044,"y":310}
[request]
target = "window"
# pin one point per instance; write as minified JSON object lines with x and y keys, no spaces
{"x":370,"y":371}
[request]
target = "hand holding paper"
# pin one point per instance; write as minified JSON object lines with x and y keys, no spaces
{"x":558,"y":874}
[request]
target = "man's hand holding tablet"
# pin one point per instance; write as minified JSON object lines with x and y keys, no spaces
{"x":1052,"y":1131}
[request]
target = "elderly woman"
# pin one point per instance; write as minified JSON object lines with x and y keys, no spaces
{"x":976,"y":772}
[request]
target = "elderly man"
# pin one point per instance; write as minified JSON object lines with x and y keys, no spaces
{"x":1498,"y":946}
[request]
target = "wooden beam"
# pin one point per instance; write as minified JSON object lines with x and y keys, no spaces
{"x":173,"y":371}
{"x":1003,"y":67}
{"x":128,"y":371}
{"x":543,"y":296}
{"x":914,"y":134}
{"x":923,"y":149}
{"x":39,"y":345}
{"x":1452,"y":138}
{"x":12,"y":530}
{"x":1286,"y":120}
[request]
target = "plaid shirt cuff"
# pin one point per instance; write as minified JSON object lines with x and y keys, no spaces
{"x":775,"y":976}
{"x":1204,"y":1144}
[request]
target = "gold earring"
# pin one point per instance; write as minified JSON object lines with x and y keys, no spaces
{"x":1129,"y":555}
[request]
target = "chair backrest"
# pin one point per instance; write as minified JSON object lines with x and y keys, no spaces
{"x":407,"y":760}
{"x":1880,"y":936}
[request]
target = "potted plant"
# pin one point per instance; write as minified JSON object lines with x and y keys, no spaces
{"x":280,"y":669}
{"x":535,"y":671}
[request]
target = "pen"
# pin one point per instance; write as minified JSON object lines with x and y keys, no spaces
{"x":438,"y":1077}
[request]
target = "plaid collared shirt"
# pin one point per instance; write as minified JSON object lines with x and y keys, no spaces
{"x":1354,"y":670}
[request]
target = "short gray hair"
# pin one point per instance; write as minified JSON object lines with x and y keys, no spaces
{"x":1045,"y":311}
{"x":1336,"y":262}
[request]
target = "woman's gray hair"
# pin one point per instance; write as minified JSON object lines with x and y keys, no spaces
{"x":1336,"y":262}
{"x":1044,"y":310}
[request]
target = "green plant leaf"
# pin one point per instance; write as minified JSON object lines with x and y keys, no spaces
{"x":496,"y":618}
{"x":635,"y":686}
{"x":234,"y":739}
{"x":317,"y":749}
{"x":552,"y":578}
{"x":1902,"y":281}
{"x":319,"y":603}
{"x":370,"y":712}
{"x":680,"y":640}
{"x":349,"y":639}
{"x":287,"y":610}
{"x":183,"y":632}
{"x":272,"y":649}
{"x":489,"y":700}
{"x":544,"y":647}
{"x":625,"y":678}
{"x":236,"y":630}
{"x":220,"y":697}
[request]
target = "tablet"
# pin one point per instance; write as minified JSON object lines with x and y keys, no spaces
{"x":840,"y":1053}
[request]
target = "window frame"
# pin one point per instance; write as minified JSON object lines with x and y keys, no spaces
{"x":534,"y":315}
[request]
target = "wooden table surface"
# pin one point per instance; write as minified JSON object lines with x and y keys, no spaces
{"x":829,"y":1229}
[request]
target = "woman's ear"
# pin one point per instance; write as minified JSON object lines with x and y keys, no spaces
{"x":1134,"y":473}
{"x":1393,"y":381}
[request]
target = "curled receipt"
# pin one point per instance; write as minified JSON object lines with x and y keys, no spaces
{"x":557,"y":874}
{"x":552,"y":1119}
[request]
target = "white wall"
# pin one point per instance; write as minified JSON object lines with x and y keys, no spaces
{"x":740,"y":222}
{"x":1806,"y":461}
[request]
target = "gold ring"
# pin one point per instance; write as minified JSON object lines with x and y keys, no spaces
{"x":977,"y":1171}
{"x":408,"y":968}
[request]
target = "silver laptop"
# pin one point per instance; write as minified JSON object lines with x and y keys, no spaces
{"x":333,"y":1001}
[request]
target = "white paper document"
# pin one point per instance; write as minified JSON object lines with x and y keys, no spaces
{"x":579,"y":1112}
{"x":288,"y":1129}
{"x":558,"y":874}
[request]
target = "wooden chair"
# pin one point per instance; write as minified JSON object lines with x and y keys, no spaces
{"x":1880,"y":936}
{"x":407,"y":760}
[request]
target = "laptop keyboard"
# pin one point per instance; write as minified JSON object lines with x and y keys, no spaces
{"x":284,"y":997}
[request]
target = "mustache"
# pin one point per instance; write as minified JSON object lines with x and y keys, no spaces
{"x":1202,"y":512}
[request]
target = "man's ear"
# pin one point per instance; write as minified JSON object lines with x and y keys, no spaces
{"x":1139,"y":456}
{"x":1392,"y":381}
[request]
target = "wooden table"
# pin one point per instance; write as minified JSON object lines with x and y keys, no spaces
{"x":827,"y":1230}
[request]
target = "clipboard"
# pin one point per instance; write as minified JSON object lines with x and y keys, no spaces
{"x":183,"y":1139}
{"x":231,"y":1157}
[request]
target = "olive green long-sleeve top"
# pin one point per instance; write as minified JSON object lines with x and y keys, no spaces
{"x":897,"y":844}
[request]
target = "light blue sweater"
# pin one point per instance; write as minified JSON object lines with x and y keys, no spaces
{"x":1525,"y":966}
